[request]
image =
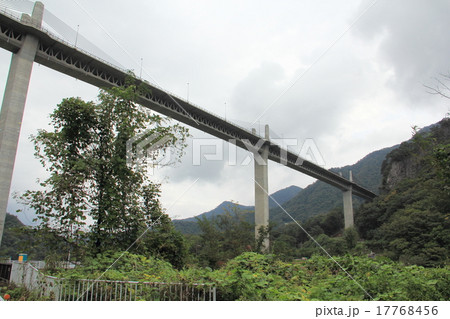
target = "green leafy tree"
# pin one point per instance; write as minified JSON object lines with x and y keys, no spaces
{"x":224,"y":237}
{"x":208,"y":245}
{"x":351,"y":237}
{"x":161,"y":240}
{"x":291,"y":241}
{"x":93,"y":197}
{"x":441,"y":162}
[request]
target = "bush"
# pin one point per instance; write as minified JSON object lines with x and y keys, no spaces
{"x":253,"y":276}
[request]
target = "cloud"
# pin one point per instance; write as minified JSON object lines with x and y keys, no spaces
{"x":412,"y":41}
{"x":252,"y":94}
{"x":318,"y":97}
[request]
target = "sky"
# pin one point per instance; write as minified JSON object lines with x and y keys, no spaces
{"x":350,"y":76}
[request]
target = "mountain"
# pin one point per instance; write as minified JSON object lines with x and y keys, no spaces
{"x":317,"y":198}
{"x":219,"y":210}
{"x":20,"y":238}
{"x":409,"y":221}
{"x":12,"y":240}
{"x":283,"y":195}
{"x":189,"y":225}
{"x":320,"y":197}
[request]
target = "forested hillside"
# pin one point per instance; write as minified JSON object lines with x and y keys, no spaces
{"x":410,"y":220}
{"x":319,"y":198}
{"x":16,"y":238}
{"x":10,"y":240}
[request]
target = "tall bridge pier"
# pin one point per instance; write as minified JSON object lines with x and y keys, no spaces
{"x":13,"y":106}
{"x":348,"y":205}
{"x":261,"y":159}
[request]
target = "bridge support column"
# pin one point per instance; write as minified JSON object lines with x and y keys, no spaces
{"x":13,"y":107}
{"x":348,"y":206}
{"x":262,"y":191}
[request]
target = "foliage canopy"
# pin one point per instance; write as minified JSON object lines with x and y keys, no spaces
{"x":93,"y":198}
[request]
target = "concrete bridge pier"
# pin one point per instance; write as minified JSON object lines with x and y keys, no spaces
{"x":348,"y":206}
{"x":261,"y":157}
{"x":13,"y":107}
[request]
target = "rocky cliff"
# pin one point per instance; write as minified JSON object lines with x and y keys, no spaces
{"x":407,"y":160}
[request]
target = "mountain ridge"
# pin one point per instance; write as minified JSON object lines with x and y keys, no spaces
{"x":189,"y":225}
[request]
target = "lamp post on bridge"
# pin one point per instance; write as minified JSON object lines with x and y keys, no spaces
{"x":187,"y":98}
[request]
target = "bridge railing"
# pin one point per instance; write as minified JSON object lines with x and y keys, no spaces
{"x":59,"y":39}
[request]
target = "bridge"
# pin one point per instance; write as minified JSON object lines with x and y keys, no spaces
{"x":30,"y":43}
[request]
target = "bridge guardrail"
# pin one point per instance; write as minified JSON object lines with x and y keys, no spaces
{"x":55,"y":37}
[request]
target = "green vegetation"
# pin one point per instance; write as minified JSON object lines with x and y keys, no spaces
{"x":222,"y":237}
{"x":22,"y":294}
{"x":291,"y":241}
{"x":253,"y":276}
{"x":410,"y":220}
{"x":15,"y":237}
{"x":93,"y":200}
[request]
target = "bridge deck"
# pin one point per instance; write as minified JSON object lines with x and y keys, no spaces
{"x":63,"y":57}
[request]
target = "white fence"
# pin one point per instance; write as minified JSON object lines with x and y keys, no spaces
{"x":107,"y":290}
{"x":28,"y":276}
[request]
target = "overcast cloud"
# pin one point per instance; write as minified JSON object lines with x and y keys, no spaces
{"x":355,"y":81}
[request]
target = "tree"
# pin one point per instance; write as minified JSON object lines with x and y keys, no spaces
{"x":351,"y":237}
{"x":441,"y":87}
{"x":162,"y":240}
{"x":93,"y":197}
{"x":223,"y":237}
